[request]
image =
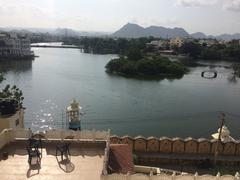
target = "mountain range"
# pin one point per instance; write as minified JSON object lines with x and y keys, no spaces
{"x":129,"y":30}
{"x":135,"y":31}
{"x":58,"y":31}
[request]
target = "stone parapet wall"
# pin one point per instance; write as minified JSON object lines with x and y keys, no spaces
{"x":10,"y":135}
{"x":5,"y":137}
{"x":168,"y":177}
{"x":178,"y":145}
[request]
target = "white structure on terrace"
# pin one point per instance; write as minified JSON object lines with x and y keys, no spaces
{"x":73,"y":115}
{"x":225,"y":135}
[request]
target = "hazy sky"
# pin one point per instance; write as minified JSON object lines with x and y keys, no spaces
{"x":208,"y":16}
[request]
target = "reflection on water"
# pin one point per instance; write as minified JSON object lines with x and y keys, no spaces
{"x":44,"y":117}
{"x":184,"y":107}
{"x":15,"y":65}
{"x":148,"y":78}
{"x":233,"y":79}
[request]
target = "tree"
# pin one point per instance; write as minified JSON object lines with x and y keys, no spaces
{"x":11,"y":93}
{"x":134,"y":54}
{"x":147,"y":66}
{"x":1,"y":78}
{"x":191,"y":48}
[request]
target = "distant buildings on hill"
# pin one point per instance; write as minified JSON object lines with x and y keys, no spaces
{"x":169,"y":45}
{"x":13,"y":46}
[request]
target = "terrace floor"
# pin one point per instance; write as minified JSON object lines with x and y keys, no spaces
{"x":85,"y":163}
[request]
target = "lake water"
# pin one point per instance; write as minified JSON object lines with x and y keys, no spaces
{"x":186,"y":107}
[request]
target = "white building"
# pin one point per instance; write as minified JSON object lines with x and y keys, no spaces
{"x":208,"y":42}
{"x":12,"y":45}
{"x":178,"y":41}
{"x":157,"y":44}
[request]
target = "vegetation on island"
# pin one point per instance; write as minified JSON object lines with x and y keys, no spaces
{"x":12,"y":93}
{"x":144,"y":65}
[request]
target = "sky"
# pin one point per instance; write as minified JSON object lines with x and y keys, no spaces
{"x":209,"y":16}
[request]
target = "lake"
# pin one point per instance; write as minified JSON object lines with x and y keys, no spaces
{"x":184,"y":107}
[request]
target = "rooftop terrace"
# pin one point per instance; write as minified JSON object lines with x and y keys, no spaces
{"x":85,"y":162}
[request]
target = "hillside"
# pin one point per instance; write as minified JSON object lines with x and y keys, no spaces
{"x":135,"y":31}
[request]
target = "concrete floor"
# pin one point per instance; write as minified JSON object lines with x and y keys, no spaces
{"x":85,"y":163}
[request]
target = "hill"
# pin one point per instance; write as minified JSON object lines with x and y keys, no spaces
{"x":135,"y":31}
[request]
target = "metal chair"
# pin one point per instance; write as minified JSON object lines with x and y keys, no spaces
{"x":35,"y":143}
{"x":33,"y":153}
{"x":63,"y":149}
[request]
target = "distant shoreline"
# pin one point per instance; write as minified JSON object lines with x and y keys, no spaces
{"x":49,"y":46}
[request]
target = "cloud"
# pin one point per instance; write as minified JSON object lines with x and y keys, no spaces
{"x":22,"y":13}
{"x":196,"y":3}
{"x":232,"y":5}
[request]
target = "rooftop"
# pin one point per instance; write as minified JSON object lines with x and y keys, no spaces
{"x":85,"y":162}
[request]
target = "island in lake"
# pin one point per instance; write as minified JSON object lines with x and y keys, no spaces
{"x":148,"y":65}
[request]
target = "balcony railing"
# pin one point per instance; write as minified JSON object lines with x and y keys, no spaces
{"x":10,"y":135}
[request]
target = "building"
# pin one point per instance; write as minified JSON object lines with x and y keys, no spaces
{"x":97,"y":156}
{"x":158,"y":44}
{"x":208,"y":42}
{"x":13,"y":121}
{"x":234,"y":42}
{"x":178,"y":41}
{"x":15,"y":46}
{"x":86,"y":161}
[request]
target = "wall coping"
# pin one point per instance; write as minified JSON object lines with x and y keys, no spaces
{"x":174,"y":139}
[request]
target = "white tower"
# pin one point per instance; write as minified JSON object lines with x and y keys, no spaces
{"x":73,"y":115}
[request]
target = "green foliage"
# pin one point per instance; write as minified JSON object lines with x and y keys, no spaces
{"x":232,"y":51}
{"x":1,"y":78}
{"x":210,"y":53}
{"x":192,"y":48}
{"x":147,"y":66}
{"x":134,"y":54}
{"x":11,"y":93}
{"x":108,"y":45}
{"x":214,"y":52}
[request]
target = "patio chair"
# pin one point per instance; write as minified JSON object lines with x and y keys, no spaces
{"x":63,"y":149}
{"x":32,"y":154}
{"x":35,"y":143}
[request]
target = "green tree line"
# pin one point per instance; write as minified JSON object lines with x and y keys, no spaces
{"x":108,"y":45}
{"x":213,"y":52}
